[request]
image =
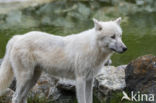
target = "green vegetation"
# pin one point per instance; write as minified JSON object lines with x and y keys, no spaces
{"x":36,"y":99}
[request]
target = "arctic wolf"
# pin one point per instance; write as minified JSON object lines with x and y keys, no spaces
{"x":77,"y":56}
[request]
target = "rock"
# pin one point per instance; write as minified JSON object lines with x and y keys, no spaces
{"x":66,"y":89}
{"x":13,"y":18}
{"x":83,"y":10}
{"x":60,"y":91}
{"x":7,"y":97}
{"x":140,"y":75}
{"x":108,"y":63}
{"x":47,"y":9}
{"x":46,"y":20}
{"x":112,"y":78}
{"x":7,"y":6}
{"x":64,"y":84}
{"x":108,"y":80}
{"x":45,"y":87}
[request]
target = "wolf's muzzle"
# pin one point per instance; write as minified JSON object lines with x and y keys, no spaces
{"x":123,"y":50}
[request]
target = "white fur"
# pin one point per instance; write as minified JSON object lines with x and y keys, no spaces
{"x":77,"y":56}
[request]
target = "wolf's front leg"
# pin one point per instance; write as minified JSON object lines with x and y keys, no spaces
{"x":80,"y":89}
{"x":89,"y":90}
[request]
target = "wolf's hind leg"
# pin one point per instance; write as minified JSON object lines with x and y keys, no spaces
{"x":29,"y":85}
{"x":24,"y":83}
{"x":24,"y":72}
{"x":21,"y":84}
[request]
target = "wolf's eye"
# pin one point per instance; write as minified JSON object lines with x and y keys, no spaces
{"x":100,"y":28}
{"x":113,"y":37}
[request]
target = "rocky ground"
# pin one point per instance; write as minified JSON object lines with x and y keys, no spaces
{"x":138,"y":75}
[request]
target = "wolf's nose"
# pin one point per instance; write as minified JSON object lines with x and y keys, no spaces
{"x":125,"y":48}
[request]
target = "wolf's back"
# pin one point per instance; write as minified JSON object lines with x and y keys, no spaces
{"x":6,"y":72}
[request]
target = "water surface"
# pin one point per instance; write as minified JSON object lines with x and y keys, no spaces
{"x":139,"y":34}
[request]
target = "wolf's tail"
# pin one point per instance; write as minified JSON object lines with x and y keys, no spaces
{"x":6,"y":72}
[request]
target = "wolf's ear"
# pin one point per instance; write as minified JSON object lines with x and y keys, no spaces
{"x":118,"y":20}
{"x":97,"y":24}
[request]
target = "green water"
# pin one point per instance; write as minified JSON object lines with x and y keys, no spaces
{"x":139,"y":34}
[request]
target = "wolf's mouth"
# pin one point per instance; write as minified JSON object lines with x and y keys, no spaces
{"x":113,"y":49}
{"x":117,"y":51}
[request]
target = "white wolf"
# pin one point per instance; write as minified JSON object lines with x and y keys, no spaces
{"x":78,"y":57}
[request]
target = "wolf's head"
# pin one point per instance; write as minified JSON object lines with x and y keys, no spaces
{"x":109,"y":35}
